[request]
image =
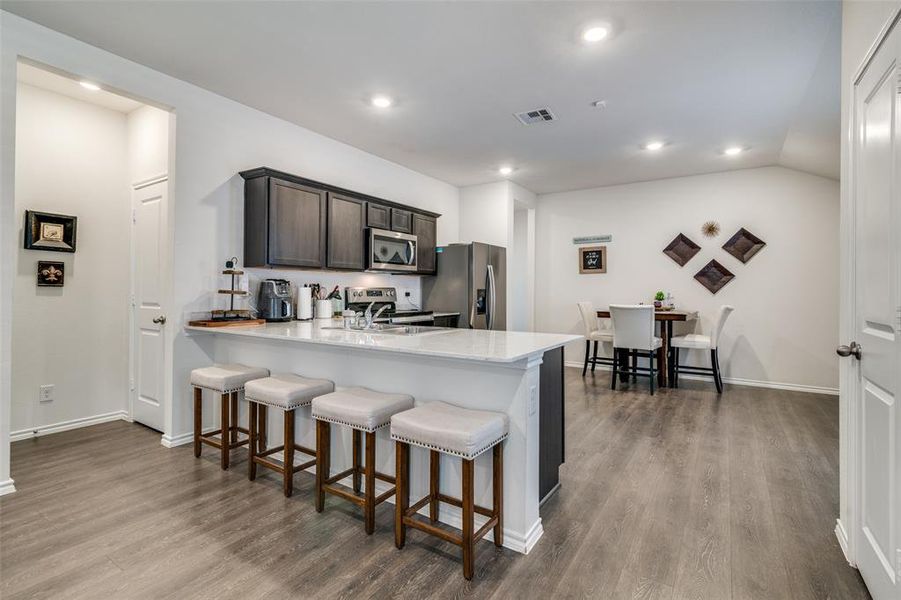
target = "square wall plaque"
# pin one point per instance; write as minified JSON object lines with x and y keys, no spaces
{"x":681,"y":249}
{"x":743,"y":245}
{"x":714,"y":276}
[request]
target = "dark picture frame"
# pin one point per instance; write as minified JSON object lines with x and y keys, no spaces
{"x":50,"y":231}
{"x":593,"y":260}
{"x":682,"y":249}
{"x":714,"y":276}
{"x":51,"y":273}
{"x":744,"y":245}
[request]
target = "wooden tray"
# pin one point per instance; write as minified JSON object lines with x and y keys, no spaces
{"x":209,"y":323}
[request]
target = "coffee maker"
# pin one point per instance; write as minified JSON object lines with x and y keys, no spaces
{"x":276,"y":302}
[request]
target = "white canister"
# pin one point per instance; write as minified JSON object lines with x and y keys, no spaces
{"x":324,"y":309}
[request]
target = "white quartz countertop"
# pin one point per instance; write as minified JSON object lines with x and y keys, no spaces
{"x":460,"y":344}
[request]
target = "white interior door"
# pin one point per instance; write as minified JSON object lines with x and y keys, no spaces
{"x":149,"y":317}
{"x":876,"y":201}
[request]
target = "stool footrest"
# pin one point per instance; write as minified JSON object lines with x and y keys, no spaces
{"x":359,"y":499}
{"x":485,"y":512}
{"x":438,"y":532}
{"x":304,"y":466}
{"x":208,"y":439}
{"x":410,"y":518}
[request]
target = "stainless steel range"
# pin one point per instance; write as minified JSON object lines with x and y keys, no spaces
{"x":384,"y":303}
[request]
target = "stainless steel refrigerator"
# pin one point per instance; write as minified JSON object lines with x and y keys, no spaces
{"x":471,"y":280}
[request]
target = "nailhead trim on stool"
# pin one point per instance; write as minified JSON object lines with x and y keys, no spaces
{"x":420,"y":426}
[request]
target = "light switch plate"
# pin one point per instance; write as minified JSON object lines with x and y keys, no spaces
{"x":46,"y":393}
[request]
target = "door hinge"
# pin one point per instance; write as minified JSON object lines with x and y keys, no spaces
{"x":134,"y":215}
{"x":132,"y":300}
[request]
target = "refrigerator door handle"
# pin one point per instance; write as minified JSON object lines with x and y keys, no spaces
{"x":492,"y":297}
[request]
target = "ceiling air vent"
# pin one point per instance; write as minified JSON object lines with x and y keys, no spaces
{"x":539,"y":115}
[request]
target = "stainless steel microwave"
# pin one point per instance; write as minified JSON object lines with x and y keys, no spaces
{"x":391,"y":251}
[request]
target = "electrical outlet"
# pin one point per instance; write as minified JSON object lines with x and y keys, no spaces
{"x":533,"y":400}
{"x":46,"y":393}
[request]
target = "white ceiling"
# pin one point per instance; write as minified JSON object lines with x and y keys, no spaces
{"x":700,"y":75}
{"x":67,"y":86}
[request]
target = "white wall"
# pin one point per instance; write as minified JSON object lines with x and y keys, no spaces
{"x":148,"y":144}
{"x":785,"y":326}
{"x":71,"y":159}
{"x":215,"y":139}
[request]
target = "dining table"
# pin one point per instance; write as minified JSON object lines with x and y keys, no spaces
{"x":666,"y":318}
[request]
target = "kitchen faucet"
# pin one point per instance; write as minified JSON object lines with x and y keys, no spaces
{"x":370,"y":317}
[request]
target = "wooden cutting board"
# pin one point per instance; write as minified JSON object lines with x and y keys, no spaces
{"x":209,"y":323}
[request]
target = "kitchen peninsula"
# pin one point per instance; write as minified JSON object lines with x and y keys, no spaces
{"x":516,"y":373}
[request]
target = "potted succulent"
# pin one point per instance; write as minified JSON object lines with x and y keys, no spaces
{"x":659,"y":297}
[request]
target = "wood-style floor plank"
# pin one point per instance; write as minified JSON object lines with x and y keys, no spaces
{"x":683,"y":495}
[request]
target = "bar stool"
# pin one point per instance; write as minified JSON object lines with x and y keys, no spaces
{"x":448,"y":429}
{"x":287,"y":392}
{"x":364,"y":411}
{"x":226,"y":380}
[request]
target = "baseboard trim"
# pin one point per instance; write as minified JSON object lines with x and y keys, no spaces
{"x":24,"y":434}
{"x":842,"y":537}
{"x":7,"y":487}
{"x":774,"y":385}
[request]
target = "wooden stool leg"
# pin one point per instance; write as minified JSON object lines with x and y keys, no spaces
{"x":369,"y":504}
{"x":262,"y":427}
{"x":198,"y":420}
{"x":251,"y":445}
{"x":323,"y":447}
{"x":468,"y":521}
{"x":288,"y":474}
{"x":356,"y":460}
{"x":498,"y":496}
{"x":223,"y":436}
{"x":233,"y":419}
{"x":402,"y":491}
{"x":434,"y":478}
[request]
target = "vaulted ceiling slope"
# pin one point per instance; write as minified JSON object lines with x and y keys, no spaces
{"x":698,"y":75}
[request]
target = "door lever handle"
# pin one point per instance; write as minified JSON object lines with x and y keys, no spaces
{"x":160,"y":320}
{"x":854,"y":350}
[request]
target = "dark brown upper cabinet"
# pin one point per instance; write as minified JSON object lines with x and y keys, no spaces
{"x":346,"y":231}
{"x":378,"y":216}
{"x":401,"y":220}
{"x":284,"y":224}
{"x":294,"y":222}
{"x":425,"y":230}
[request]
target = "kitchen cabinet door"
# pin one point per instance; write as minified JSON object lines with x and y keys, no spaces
{"x":297,"y":221}
{"x":425,"y":230}
{"x":378,"y":216}
{"x":346,"y":228}
{"x":401,"y":220}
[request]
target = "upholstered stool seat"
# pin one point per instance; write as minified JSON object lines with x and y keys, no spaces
{"x":227,"y":380}
{"x":360,"y":408}
{"x":364,"y":411}
{"x":287,"y":392}
{"x":463,"y":432}
{"x":696,"y":341}
{"x":450,"y":429}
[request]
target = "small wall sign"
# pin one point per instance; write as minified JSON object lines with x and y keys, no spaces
{"x":592,"y":239}
{"x":49,"y":231}
{"x":593,"y":259}
{"x":51,"y":273}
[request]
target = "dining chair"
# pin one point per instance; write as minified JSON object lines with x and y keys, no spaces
{"x":594,"y":333}
{"x":695,"y":341}
{"x":633,"y":331}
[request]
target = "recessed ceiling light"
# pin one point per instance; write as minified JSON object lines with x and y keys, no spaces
{"x":89,"y":86}
{"x":505,"y":170}
{"x":733,"y":150}
{"x":595,"y":33}
{"x":652,"y":146}
{"x":382,"y":101}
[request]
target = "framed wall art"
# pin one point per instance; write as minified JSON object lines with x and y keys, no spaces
{"x":49,"y":231}
{"x":593,"y":259}
{"x":51,"y":273}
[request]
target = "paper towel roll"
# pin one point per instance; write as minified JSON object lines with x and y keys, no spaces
{"x":304,"y":304}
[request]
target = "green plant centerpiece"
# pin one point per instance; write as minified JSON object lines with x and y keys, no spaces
{"x":659,"y":297}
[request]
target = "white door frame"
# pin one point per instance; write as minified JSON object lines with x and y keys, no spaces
{"x":849,"y":475}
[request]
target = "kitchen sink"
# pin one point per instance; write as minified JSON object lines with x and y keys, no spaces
{"x":394,"y":329}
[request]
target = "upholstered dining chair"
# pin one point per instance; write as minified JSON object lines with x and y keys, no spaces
{"x":633,"y":332}
{"x":696,"y":341}
{"x":594,"y":333}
